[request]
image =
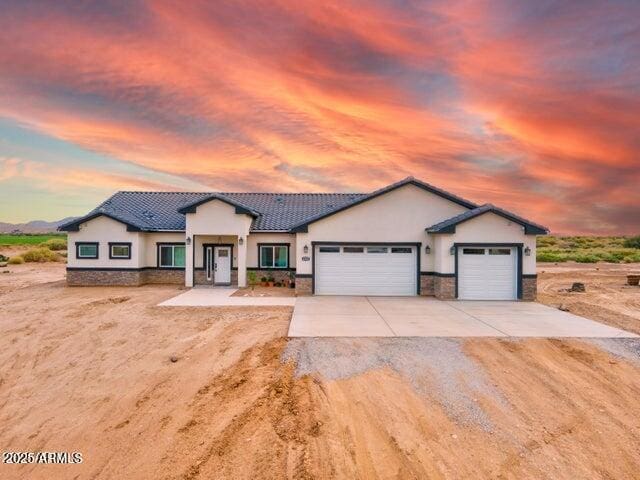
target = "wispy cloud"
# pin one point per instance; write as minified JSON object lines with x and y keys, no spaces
{"x":496,"y":101}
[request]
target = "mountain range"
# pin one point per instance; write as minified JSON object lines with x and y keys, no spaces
{"x":34,"y":226}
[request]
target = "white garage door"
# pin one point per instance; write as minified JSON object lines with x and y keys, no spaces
{"x":487,"y":273}
{"x":365,"y":270}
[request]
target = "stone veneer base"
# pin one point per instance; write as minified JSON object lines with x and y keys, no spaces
{"x":104,"y":277}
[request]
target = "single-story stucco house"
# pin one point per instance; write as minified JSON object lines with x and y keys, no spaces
{"x":409,"y":238}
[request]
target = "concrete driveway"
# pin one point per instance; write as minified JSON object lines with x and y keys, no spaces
{"x":428,"y":317}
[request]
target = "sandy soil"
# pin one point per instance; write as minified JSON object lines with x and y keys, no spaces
{"x":259,"y":291}
{"x":89,"y":369}
{"x":608,"y":298}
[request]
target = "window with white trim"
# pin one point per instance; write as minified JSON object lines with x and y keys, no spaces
{"x":274,"y":256}
{"x":120,"y":251}
{"x":87,"y":250}
{"x":172,"y":255}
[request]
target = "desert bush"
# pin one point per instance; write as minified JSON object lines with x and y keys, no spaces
{"x":55,"y":244}
{"x":587,"y":259}
{"x":550,"y":257}
{"x":3,"y":258}
{"x":40,"y":255}
{"x":632,"y":242}
{"x":18,"y":260}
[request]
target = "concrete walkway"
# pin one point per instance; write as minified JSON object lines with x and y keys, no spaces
{"x":427,"y":317}
{"x":221,"y":297}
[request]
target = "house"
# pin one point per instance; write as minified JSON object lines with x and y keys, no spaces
{"x":409,"y":238}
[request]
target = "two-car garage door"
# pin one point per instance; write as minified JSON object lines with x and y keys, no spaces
{"x":365,"y":270}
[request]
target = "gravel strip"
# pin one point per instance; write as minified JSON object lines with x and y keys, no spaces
{"x":627,"y":348}
{"x":436,"y":367}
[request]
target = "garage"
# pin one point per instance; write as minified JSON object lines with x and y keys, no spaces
{"x":375,"y":270}
{"x":487,"y":273}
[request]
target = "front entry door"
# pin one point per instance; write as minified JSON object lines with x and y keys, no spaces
{"x":222,"y":265}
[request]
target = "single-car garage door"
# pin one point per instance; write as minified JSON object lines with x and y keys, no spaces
{"x":365,"y":270}
{"x":487,"y":273}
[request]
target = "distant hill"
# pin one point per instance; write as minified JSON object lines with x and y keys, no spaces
{"x":34,"y":226}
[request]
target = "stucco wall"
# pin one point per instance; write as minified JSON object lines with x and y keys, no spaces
{"x":219,"y":218}
{"x":256,"y":238}
{"x":398,"y":216}
{"x":487,"y":228}
{"x":104,"y":230}
{"x":149,"y":241}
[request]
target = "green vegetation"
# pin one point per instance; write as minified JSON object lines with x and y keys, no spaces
{"x":588,"y":249}
{"x":30,"y":239}
{"x":40,"y":255}
{"x":632,"y":242}
{"x":56,"y":244}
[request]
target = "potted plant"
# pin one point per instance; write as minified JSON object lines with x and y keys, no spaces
{"x":252,"y":278}
{"x":263,"y":281}
{"x":271,"y":280}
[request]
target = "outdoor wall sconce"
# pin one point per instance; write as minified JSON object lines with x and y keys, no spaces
{"x":240,"y":241}
{"x":427,"y":249}
{"x":452,"y":250}
{"x":306,"y":249}
{"x":188,"y":240}
{"x":527,"y":251}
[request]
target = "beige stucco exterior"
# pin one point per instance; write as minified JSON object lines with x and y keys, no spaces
{"x":486,"y":228}
{"x":398,"y":216}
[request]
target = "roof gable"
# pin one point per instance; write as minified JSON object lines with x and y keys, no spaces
{"x":240,"y":208}
{"x":449,"y":225}
{"x":303,"y":226}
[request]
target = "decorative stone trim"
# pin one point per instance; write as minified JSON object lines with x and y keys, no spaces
{"x":163,"y":276}
{"x":444,"y":287}
{"x":427,"y":285}
{"x":529,"y":288}
{"x":81,"y":278}
{"x":303,"y":286}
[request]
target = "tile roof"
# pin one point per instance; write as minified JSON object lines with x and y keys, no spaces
{"x":157,"y":211}
{"x":448,"y":226}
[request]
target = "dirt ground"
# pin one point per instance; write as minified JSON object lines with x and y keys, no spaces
{"x":608,"y":298}
{"x":260,"y":291}
{"x":90,"y":370}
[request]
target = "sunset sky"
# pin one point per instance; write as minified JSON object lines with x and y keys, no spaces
{"x":531,"y":105}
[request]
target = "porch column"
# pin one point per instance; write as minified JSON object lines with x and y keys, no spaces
{"x":242,"y":261}
{"x":188,"y":271}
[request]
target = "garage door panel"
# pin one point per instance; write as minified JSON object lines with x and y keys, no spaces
{"x":485,"y":276}
{"x":365,"y":273}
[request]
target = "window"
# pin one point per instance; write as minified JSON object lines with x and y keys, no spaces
{"x":87,"y":250}
{"x":330,"y":249}
{"x":353,"y":249}
{"x":274,"y":256}
{"x":400,"y":249}
{"x":171,"y":255}
{"x":120,"y":251}
{"x":473,"y":251}
{"x":499,"y":251}
{"x":376,"y":249}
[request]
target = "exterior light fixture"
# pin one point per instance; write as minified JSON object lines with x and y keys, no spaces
{"x":306,"y":249}
{"x":527,"y":251}
{"x":452,"y":250}
{"x":240,"y":241}
{"x":427,"y":249}
{"x":188,"y":241}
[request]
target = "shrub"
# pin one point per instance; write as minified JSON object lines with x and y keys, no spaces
{"x":3,"y":258}
{"x":252,"y":278}
{"x":632,"y":242}
{"x":55,"y":244}
{"x":40,"y":255}
{"x":16,"y":260}
{"x":587,"y":259}
{"x":550,"y":257}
